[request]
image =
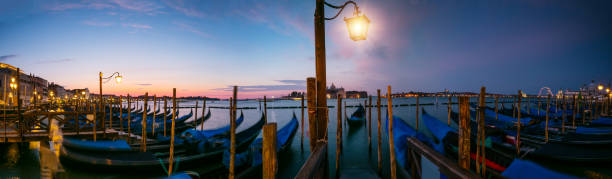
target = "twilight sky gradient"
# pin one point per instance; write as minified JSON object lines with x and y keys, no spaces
{"x":267,"y":47}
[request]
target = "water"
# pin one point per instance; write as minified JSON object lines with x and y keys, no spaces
{"x":22,"y":160}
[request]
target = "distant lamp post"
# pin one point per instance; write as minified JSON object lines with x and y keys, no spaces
{"x":607,"y":90}
{"x":118,"y":79}
{"x":600,"y":87}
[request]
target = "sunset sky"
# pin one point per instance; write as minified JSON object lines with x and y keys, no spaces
{"x":267,"y":47}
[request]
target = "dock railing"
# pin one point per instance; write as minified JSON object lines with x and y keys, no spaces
{"x":449,"y":168}
{"x":315,"y":167}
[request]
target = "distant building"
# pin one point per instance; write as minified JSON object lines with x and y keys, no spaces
{"x":79,"y":93}
{"x":294,"y":95}
{"x":57,"y":91}
{"x":356,"y":94}
{"x":31,"y":88}
{"x":333,"y":92}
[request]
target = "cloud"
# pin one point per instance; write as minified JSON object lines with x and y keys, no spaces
{"x":190,"y":28}
{"x":96,"y":23}
{"x":54,"y":61}
{"x":138,"y":26}
{"x":188,"y":10}
{"x":144,"y":84}
{"x":83,"y":5}
{"x":6,"y":57}
{"x":286,"y":85}
{"x":146,"y":7}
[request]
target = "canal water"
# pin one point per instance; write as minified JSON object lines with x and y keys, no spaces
{"x":22,"y":160}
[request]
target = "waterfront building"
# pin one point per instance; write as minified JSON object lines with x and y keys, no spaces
{"x":32,"y":88}
{"x":333,"y":92}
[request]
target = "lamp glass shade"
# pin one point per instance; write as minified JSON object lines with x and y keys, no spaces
{"x":118,"y":78}
{"x":357,"y":27}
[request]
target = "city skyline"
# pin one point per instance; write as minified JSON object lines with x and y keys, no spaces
{"x":267,"y":47}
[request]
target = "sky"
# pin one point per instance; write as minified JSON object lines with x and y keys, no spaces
{"x":266,"y":47}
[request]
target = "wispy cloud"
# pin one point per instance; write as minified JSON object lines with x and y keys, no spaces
{"x":187,"y":9}
{"x":144,"y":84}
{"x":84,"y":4}
{"x":146,"y":7}
{"x":138,"y":26}
{"x":192,"y":29}
{"x":54,"y":61}
{"x":97,"y":23}
{"x":286,"y":85}
{"x":6,"y":57}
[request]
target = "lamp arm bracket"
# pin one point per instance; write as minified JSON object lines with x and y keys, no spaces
{"x":342,"y":8}
{"x":116,"y":73}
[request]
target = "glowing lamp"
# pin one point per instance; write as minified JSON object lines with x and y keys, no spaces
{"x":83,"y":92}
{"x":13,"y":79}
{"x":600,"y":87}
{"x":118,"y":78}
{"x":607,"y":90}
{"x":357,"y":26}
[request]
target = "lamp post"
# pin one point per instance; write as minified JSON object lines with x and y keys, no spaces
{"x":118,"y":79}
{"x":358,"y":28}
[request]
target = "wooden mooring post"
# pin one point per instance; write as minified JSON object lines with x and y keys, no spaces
{"x":450,"y":101}
{"x":121,"y":113}
{"x":574,"y":111}
{"x":391,"y":145}
{"x":269,"y":163}
{"x":129,"y":117}
{"x":369,"y":123}
{"x":203,"y":113}
{"x":165,"y":110}
{"x":418,"y":109}
{"x":302,"y":125}
{"x":338,"y":133}
{"x":143,"y":129}
{"x":232,"y":167}
{"x":481,"y":168}
{"x":546,"y":125}
{"x":563,"y":114}
{"x":496,"y":105}
{"x":195,"y":117}
{"x":464,"y":132}
{"x":154,"y":114}
{"x":265,"y":109}
{"x":518,"y":125}
{"x":379,"y":146}
{"x":171,"y":158}
{"x":312,"y":129}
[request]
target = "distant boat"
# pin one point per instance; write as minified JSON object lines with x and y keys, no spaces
{"x":358,"y":117}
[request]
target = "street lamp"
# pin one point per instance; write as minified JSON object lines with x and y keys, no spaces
{"x":600,"y":87}
{"x":358,"y":28}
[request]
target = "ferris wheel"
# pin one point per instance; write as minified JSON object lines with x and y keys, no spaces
{"x":546,"y":90}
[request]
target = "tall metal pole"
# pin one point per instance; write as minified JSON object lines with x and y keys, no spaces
{"x":319,"y":24}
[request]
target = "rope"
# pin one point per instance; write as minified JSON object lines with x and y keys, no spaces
{"x":178,"y":161}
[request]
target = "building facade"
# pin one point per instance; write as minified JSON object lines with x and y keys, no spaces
{"x":333,"y":92}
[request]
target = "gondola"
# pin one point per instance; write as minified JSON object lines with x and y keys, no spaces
{"x":191,"y":154}
{"x":358,"y":117}
{"x":212,"y":132}
{"x":251,"y":159}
